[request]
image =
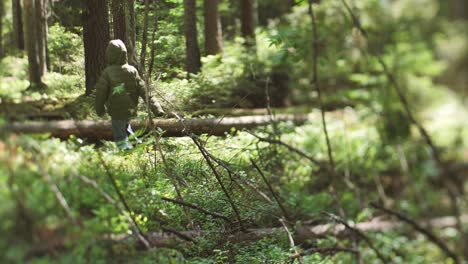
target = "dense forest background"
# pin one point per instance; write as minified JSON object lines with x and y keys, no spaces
{"x":320,"y":131}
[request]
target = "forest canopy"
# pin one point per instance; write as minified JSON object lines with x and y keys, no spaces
{"x":224,"y":131}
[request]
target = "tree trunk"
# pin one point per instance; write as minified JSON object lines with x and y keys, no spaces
{"x":131,"y":33}
{"x":32,"y":43}
{"x":123,"y":24}
{"x":144,"y":40}
{"x":18,"y":34}
{"x":459,"y":9}
{"x":248,"y":20}
{"x":118,"y":20}
{"x":191,"y":37}
{"x":41,"y":33}
{"x":213,"y":34}
{"x":95,"y":38}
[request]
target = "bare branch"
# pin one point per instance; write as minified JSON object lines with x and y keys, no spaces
{"x":291,"y":240}
{"x":126,"y":213}
{"x":289,"y":147}
{"x":275,"y":196}
{"x":361,"y":235}
{"x":196,"y":207}
{"x":420,"y":229}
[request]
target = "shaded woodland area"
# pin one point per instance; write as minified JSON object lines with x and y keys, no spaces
{"x":295,"y":131}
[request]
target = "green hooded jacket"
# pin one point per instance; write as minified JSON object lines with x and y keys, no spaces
{"x":120,"y":86}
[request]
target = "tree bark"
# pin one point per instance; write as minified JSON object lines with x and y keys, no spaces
{"x":41,"y":33}
{"x":18,"y":34}
{"x":97,"y":130}
{"x":144,"y":40}
{"x":95,"y":38}
{"x":459,"y":9}
{"x":213,"y":34}
{"x":123,"y":24}
{"x":118,"y":20}
{"x":248,"y":20}
{"x":191,"y":37}
{"x":32,"y":43}
{"x":130,"y":23}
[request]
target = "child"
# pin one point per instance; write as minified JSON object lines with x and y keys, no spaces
{"x":118,"y":89}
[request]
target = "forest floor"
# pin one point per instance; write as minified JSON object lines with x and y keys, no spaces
{"x":354,"y":139}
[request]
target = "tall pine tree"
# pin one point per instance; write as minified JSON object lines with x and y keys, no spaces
{"x":96,"y":38}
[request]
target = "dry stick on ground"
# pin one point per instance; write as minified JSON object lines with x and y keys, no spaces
{"x":360,"y":234}
{"x":289,"y":147}
{"x":54,"y":188}
{"x":125,"y":212}
{"x":240,"y":177}
{"x":453,"y":186}
{"x":158,"y":148}
{"x":326,"y":251}
{"x":124,"y":202}
{"x":218,"y":178}
{"x":275,"y":196}
{"x":206,"y":155}
{"x":58,"y":195}
{"x":291,"y":240}
{"x":196,"y":207}
{"x":208,"y":158}
{"x":420,"y":229}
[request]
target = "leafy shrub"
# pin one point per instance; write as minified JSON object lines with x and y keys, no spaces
{"x":65,"y":51}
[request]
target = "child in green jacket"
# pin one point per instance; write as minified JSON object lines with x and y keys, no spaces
{"x":118,"y":90}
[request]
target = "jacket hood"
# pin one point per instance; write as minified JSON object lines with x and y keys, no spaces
{"x":116,"y":53}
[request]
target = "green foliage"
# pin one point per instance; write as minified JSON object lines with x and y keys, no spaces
{"x":65,"y":51}
{"x":13,"y":72}
{"x":371,"y":143}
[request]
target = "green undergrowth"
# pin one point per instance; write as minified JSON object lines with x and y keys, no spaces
{"x":31,"y":215}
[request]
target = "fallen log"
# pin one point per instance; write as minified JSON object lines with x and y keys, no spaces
{"x":302,"y":234}
{"x":96,"y":130}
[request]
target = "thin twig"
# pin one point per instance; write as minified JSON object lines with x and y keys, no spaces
{"x":153,"y":41}
{"x":58,"y":195}
{"x":55,"y":189}
{"x":275,"y":196}
{"x":158,"y":148}
{"x":291,"y":239}
{"x":239,"y":177}
{"x":316,"y":83}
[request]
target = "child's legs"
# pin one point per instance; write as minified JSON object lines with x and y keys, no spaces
{"x":119,"y":130}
